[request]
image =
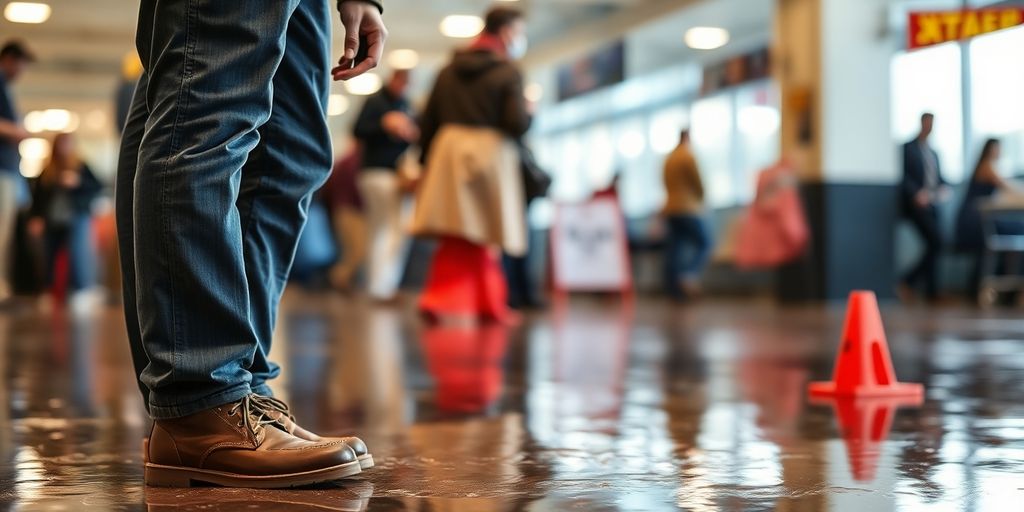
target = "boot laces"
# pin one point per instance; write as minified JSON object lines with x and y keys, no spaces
{"x":272,"y":404}
{"x":255,"y":415}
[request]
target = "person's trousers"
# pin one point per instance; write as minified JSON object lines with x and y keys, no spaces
{"x":925,"y":271}
{"x":465,"y":280}
{"x":8,"y":221}
{"x":687,"y":251}
{"x":225,"y":142}
{"x":350,"y":232}
{"x":389,"y":245}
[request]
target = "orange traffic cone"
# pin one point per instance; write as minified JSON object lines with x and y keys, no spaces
{"x":863,"y":366}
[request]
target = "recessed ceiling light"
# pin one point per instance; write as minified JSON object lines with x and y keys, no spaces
{"x":364,"y":85}
{"x":27,"y":12}
{"x":462,"y":26}
{"x":337,"y":105}
{"x":51,"y":120}
{"x":534,"y":92}
{"x":706,"y":38}
{"x":403,"y":59}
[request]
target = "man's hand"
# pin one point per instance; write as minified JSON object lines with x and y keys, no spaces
{"x":361,"y":19}
{"x":400,"y":126}
{"x":923,"y":198}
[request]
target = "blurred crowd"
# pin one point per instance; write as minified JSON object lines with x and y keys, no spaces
{"x":458,"y":172}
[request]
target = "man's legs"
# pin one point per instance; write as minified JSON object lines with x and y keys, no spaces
{"x":8,"y":218}
{"x":383,"y":200}
{"x":350,"y":230}
{"x":192,"y":126}
{"x":700,"y":244}
{"x":292,"y":160}
{"x":926,"y":221}
{"x":675,"y":245}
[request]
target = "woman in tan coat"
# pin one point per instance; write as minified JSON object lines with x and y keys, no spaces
{"x":471,"y":197}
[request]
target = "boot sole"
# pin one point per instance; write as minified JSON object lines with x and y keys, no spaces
{"x":157,"y":475}
{"x":365,"y":461}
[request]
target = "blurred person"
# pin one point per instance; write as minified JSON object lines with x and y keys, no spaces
{"x":14,"y":57}
{"x":385,"y":129}
{"x":346,"y":208}
{"x":688,"y":241}
{"x":922,"y":190}
{"x":225,"y":143}
{"x":471,"y":197}
{"x":61,"y":213}
{"x":985,"y":183}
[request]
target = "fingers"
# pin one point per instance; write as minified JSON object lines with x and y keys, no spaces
{"x":374,"y":54}
{"x":360,"y":19}
{"x":352,"y":23}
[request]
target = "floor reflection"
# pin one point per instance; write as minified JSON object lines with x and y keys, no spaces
{"x":597,"y":405}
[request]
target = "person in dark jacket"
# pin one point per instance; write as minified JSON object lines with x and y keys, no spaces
{"x":385,"y":129}
{"x":922,"y":190}
{"x":471,"y":197}
{"x":62,"y":212}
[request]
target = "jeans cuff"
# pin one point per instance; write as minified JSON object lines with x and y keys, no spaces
{"x":166,"y":412}
{"x":262,"y":389}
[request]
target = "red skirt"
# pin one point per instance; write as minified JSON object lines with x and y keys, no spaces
{"x":465,"y":280}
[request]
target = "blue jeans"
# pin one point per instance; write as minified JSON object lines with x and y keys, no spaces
{"x":224,"y":145}
{"x":688,"y":249}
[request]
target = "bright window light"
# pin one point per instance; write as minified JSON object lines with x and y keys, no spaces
{"x":364,"y":85}
{"x":632,"y":144}
{"x":34,"y":153}
{"x":337,"y":105}
{"x":758,"y":120}
{"x":706,"y":38}
{"x":27,"y":12}
{"x":461,"y":26}
{"x":403,"y":59}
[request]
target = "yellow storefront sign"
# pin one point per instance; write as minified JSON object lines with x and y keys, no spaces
{"x":930,"y":28}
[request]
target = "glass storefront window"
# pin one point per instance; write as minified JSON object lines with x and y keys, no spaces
{"x":997,"y":109}
{"x":713,"y":145}
{"x":757,"y":121}
{"x":929,"y":80}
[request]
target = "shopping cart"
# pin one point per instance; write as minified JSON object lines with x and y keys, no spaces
{"x":1000,"y":265}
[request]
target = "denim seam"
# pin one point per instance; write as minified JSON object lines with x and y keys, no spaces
{"x":183,"y":106}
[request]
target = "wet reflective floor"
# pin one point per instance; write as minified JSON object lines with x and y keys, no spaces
{"x":596,"y":405}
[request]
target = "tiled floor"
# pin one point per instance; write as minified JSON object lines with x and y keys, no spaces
{"x":593,"y":406}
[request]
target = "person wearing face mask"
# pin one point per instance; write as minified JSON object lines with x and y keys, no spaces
{"x":471,"y":197}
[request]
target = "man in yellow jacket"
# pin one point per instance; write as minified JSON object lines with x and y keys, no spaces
{"x":688,"y":242}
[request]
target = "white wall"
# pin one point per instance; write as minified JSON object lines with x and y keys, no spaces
{"x":856,"y":52}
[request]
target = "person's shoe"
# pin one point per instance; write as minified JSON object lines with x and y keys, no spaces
{"x":240,"y":445}
{"x":281,"y":412}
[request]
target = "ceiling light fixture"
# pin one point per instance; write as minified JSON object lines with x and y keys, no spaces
{"x":403,"y":59}
{"x":706,"y":38}
{"x":364,"y":85}
{"x":27,"y":12}
{"x":462,"y":26}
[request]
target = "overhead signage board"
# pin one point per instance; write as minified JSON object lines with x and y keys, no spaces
{"x":929,"y":28}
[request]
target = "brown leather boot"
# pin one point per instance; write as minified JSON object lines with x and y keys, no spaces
{"x":280,"y":411}
{"x":240,"y":445}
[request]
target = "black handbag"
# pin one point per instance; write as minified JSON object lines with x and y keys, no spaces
{"x":536,"y":182}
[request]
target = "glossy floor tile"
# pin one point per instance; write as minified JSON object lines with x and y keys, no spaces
{"x":595,"y":405}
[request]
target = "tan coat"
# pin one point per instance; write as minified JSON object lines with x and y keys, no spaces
{"x":472,"y":189}
{"x":683,"y":185}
